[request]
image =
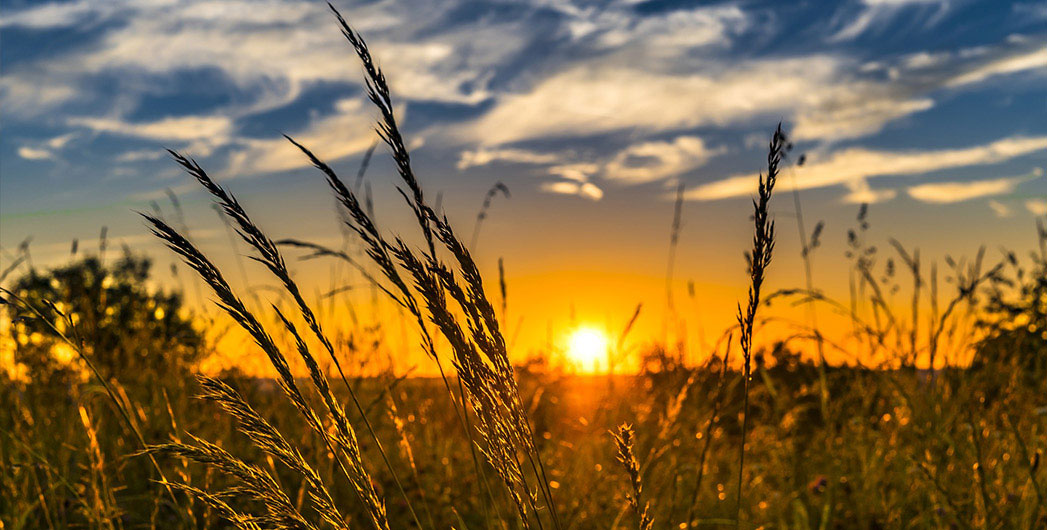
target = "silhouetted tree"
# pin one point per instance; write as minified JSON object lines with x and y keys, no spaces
{"x":129,"y":330}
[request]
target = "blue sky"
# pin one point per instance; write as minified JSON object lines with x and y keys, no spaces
{"x":591,"y":113}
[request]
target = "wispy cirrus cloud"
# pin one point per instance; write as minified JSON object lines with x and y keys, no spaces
{"x":854,"y":166}
{"x":876,"y":15}
{"x":181,"y":129}
{"x":951,"y":192}
{"x":1026,"y":60}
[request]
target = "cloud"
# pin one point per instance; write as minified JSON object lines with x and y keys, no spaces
{"x":878,"y":14}
{"x":183,"y":128}
{"x":345,"y":133}
{"x":1000,"y":209}
{"x":31,"y":153}
{"x":634,"y":164}
{"x":950,"y":192}
{"x":660,"y":34}
{"x":52,"y":15}
{"x":1036,"y":206}
{"x":1033,"y":60}
{"x":282,"y":46}
{"x":586,"y":190}
{"x":140,"y":155}
{"x":27,"y":93}
{"x":650,"y":161}
{"x":59,"y":142}
{"x":270,"y":51}
{"x":578,"y":172}
{"x":862,"y":193}
{"x":483,"y":156}
{"x":854,"y":165}
{"x":599,"y":98}
{"x":826,"y":96}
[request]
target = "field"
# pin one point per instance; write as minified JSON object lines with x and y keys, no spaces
{"x":939,"y":420}
{"x":891,"y":449}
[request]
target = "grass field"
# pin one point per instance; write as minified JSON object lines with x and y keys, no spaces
{"x":114,"y":434}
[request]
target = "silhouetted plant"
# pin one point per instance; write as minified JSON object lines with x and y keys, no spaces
{"x":130,"y":330}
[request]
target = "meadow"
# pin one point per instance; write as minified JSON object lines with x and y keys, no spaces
{"x":938,"y":419}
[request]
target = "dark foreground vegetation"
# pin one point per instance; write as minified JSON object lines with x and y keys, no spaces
{"x":103,"y":428}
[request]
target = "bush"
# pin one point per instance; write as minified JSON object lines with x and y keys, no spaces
{"x":129,"y":332}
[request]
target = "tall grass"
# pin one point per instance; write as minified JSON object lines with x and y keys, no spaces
{"x":759,"y":260}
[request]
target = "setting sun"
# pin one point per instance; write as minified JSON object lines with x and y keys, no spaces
{"x":587,"y":349}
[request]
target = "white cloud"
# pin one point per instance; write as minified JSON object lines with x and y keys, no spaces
{"x":52,"y":15}
{"x":877,"y":14}
{"x":182,"y":129}
{"x":282,"y":46}
{"x":26,"y":93}
{"x":854,"y":165}
{"x":344,"y":133}
{"x":1035,"y":59}
{"x":650,"y":161}
{"x":271,"y":50}
{"x":1036,"y":206}
{"x":586,"y":190}
{"x":853,"y":114}
{"x":600,"y":98}
{"x":949,"y":192}
{"x":330,"y":138}
{"x":32,"y":153}
{"x":483,"y":156}
{"x":577,"y":172}
{"x":661,"y":34}
{"x":825,"y":96}
{"x":59,"y":142}
{"x":862,"y":193}
{"x":636,"y":163}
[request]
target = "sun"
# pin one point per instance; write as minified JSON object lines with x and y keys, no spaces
{"x":587,"y":349}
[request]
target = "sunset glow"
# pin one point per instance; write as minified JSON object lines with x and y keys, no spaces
{"x":587,"y":349}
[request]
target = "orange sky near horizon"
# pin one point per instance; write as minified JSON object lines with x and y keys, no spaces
{"x":588,"y":275}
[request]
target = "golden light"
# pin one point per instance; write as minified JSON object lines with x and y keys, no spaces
{"x":587,"y":349}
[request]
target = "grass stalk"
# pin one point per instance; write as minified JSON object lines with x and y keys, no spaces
{"x":760,"y":259}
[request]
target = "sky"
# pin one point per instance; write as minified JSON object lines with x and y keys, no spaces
{"x":591,"y":113}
